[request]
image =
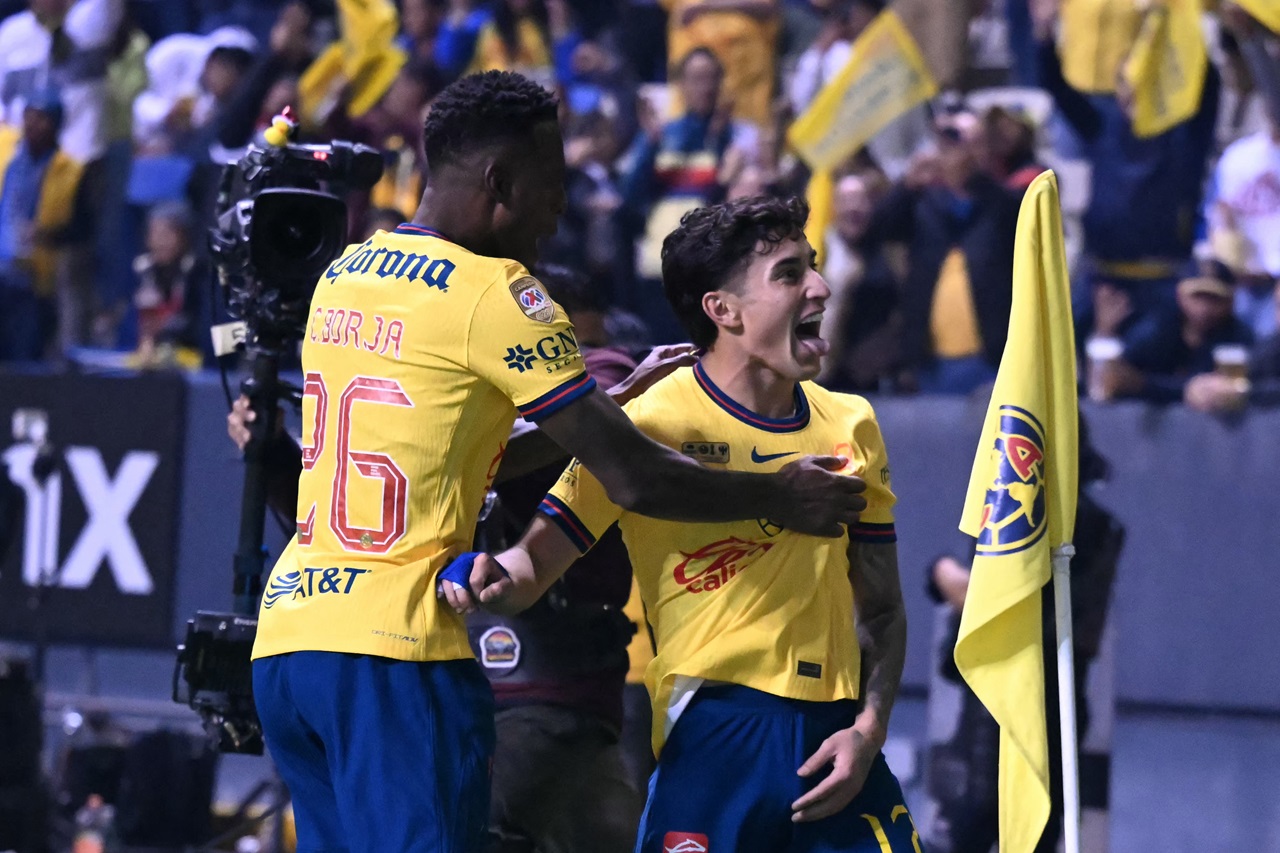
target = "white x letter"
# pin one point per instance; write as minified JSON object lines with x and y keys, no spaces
{"x":107,"y":533}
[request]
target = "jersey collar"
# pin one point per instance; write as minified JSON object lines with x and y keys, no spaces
{"x":793,"y":423}
{"x":420,"y":231}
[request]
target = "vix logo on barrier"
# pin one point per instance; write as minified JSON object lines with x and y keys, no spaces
{"x":108,"y":501}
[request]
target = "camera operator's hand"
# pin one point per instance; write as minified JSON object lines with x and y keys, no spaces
{"x":239,"y":418}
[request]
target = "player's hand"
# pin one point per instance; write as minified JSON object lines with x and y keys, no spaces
{"x":849,"y":753}
{"x":659,"y":363}
{"x":814,"y":500}
{"x":488,"y":582}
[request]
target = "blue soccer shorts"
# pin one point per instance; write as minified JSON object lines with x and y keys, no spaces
{"x":727,"y":778}
{"x":379,"y":754}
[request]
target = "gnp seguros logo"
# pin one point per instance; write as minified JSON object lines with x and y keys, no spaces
{"x":1013,"y":514}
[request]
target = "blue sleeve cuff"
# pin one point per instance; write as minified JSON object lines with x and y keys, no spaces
{"x":568,"y":522}
{"x":557,"y":398}
{"x":864,"y":531}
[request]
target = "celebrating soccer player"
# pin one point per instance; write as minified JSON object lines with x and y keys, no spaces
{"x":422,"y":345}
{"x":778,"y":654}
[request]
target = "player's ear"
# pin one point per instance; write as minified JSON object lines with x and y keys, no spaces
{"x":497,"y":180}
{"x":722,"y":307}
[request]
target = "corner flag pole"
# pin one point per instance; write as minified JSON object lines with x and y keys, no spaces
{"x":1067,"y":696}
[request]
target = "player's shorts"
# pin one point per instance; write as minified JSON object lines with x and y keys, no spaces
{"x":379,"y":754}
{"x":727,"y":778}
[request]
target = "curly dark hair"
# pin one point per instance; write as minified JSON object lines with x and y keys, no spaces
{"x":712,"y":243}
{"x":481,"y":109}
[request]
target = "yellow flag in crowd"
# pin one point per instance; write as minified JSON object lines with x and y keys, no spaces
{"x":1022,"y":503}
{"x":884,"y":77}
{"x":1166,"y":67}
{"x":359,"y":66}
{"x":1266,"y":11}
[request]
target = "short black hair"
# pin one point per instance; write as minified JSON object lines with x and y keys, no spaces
{"x":481,"y":109}
{"x":712,"y":243}
{"x":572,"y":290}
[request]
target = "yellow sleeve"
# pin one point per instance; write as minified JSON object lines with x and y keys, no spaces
{"x":580,"y":507}
{"x":876,"y":522}
{"x":523,"y":343}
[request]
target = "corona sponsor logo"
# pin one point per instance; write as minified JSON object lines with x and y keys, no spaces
{"x":1013,"y":514}
{"x":712,"y":566}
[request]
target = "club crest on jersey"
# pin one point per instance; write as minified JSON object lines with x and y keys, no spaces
{"x":712,"y":566}
{"x":499,"y":648}
{"x":685,"y":842}
{"x":1013,"y":513}
{"x":533,"y":300}
{"x":715,"y":452}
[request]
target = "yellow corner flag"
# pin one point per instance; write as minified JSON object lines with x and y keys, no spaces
{"x":1022,"y":503}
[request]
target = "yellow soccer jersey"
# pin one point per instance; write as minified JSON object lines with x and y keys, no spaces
{"x":417,"y":356}
{"x":744,"y":602}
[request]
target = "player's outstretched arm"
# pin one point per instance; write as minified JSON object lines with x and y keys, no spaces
{"x":648,"y":478}
{"x":882,"y":635}
{"x":513,"y":580}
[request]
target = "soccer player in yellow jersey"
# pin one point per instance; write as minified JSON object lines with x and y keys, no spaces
{"x":423,"y":344}
{"x":778,"y":653}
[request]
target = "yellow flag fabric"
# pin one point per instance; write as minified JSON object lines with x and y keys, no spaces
{"x":820,"y":193}
{"x":360,"y":65}
{"x":1021,"y":503}
{"x":1266,"y":11}
{"x":1094,"y":40}
{"x":1166,"y":67}
{"x":885,"y":77}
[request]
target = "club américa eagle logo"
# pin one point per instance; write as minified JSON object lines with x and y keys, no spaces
{"x":1013,"y":513}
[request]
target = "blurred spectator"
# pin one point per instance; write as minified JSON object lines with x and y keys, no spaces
{"x":59,"y":44}
{"x":560,"y":714}
{"x":1163,"y":351}
{"x":171,"y":301}
{"x":642,"y":37}
{"x":394,"y":124}
{"x":842,"y":22}
{"x":420,"y":22}
{"x":126,"y":79}
{"x":40,"y":203}
{"x":1162,"y":177}
{"x":1011,"y":148}
{"x":600,"y":83}
{"x":456,"y":40}
{"x":860,"y":322}
{"x":743,"y":34}
{"x":1244,"y":222}
{"x":677,"y":166}
{"x":958,"y":224}
{"x":1259,"y":50}
{"x":191,"y":78}
{"x":590,"y":237}
{"x":270,"y":85}
{"x":533,"y":37}
{"x":1264,"y":368}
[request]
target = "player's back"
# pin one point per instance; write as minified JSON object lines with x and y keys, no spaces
{"x":415,"y":355}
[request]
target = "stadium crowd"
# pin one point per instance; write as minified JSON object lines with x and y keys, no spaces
{"x":116,"y":117}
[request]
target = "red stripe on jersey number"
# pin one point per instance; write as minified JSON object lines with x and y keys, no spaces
{"x":377,"y":466}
